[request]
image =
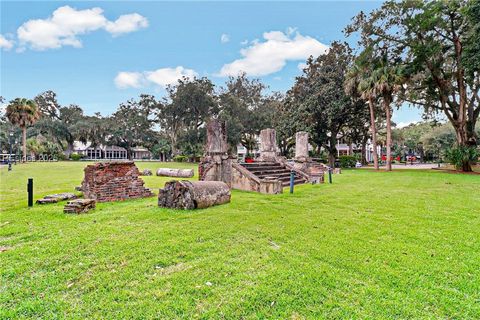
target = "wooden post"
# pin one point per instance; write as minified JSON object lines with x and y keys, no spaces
{"x":30,"y":192}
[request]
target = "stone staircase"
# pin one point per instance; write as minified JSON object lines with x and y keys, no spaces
{"x":272,"y":169}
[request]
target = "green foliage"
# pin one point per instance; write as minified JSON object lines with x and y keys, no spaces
{"x":317,"y":103}
{"x":438,"y":44}
{"x":22,"y":112}
{"x":131,"y":125}
{"x":460,"y":155}
{"x":76,"y":156}
{"x":180,"y":158}
{"x":245,"y":109}
{"x":40,"y":146}
{"x":347,"y":161}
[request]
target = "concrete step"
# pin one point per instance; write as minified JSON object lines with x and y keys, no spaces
{"x":276,"y":170}
{"x":255,"y":166}
{"x":277,"y":175}
{"x":269,"y":172}
{"x":269,"y":168}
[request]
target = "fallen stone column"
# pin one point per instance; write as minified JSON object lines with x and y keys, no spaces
{"x":193,"y":194}
{"x":177,"y":173}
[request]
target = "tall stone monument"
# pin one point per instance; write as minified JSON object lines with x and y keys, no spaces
{"x":303,"y":162}
{"x":216,"y":165}
{"x":268,"y":145}
{"x":301,"y":146}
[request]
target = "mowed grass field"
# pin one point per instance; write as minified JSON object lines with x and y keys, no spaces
{"x":372,"y":245}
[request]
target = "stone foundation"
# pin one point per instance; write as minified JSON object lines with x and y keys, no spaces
{"x":113,"y":181}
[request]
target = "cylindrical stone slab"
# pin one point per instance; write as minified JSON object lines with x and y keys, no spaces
{"x":189,"y":195}
{"x":301,"y":146}
{"x":178,"y":173}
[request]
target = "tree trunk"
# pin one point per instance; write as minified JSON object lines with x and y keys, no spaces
{"x":374,"y":132}
{"x":193,"y":194}
{"x":332,"y":150}
{"x":389,"y":134}
{"x":24,"y":144}
{"x":69,"y":149}
{"x":364,"y":151}
{"x":462,"y":140}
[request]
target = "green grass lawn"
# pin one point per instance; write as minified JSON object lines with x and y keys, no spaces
{"x":394,"y":245}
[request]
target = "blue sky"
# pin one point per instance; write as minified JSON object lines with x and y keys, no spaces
{"x":98,"y":54}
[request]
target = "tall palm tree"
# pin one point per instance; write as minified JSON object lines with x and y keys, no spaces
{"x":23,"y":113}
{"x":359,"y":81}
{"x":387,"y":80}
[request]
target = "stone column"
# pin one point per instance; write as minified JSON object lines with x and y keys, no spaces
{"x":216,"y":165}
{"x":268,"y":145}
{"x":301,"y":146}
{"x":216,"y":138}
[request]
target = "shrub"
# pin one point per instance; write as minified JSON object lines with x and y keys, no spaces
{"x":347,"y":161}
{"x":460,"y":154}
{"x":180,"y":158}
{"x":75,"y":156}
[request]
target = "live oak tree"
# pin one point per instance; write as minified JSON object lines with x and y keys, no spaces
{"x":246,"y":109}
{"x":190,"y":104}
{"x":317,"y":101}
{"x":132,"y":124}
{"x":59,"y":123}
{"x":438,"y":42}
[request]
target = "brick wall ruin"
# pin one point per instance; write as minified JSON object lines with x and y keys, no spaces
{"x":113,"y":181}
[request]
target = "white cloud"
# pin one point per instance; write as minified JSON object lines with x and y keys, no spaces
{"x":244,"y":42}
{"x":301,"y":66}
{"x":406,"y":123}
{"x":65,"y":24}
{"x":125,"y":80}
{"x":160,"y":77}
{"x":5,"y":44}
{"x":126,"y":23}
{"x":269,"y":56}
{"x":224,"y":38}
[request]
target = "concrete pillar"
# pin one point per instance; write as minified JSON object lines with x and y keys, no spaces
{"x":301,"y":146}
{"x":268,"y":145}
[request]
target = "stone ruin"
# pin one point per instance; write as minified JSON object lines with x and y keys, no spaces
{"x":268,"y":146}
{"x":304,"y":163}
{"x":113,"y":181}
{"x":269,"y":174}
{"x":78,"y":206}
{"x":54,"y":198}
{"x":216,"y":165}
{"x":190,"y":195}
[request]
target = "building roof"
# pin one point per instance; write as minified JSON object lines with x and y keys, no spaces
{"x":80,"y":146}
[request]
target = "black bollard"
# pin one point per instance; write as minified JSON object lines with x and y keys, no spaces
{"x":292,"y":180}
{"x":330,"y":175}
{"x":30,"y":192}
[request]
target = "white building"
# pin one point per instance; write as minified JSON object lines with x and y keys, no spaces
{"x":109,"y":152}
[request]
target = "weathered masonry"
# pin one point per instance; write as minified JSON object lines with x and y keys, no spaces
{"x":113,"y":181}
{"x":269,"y":174}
